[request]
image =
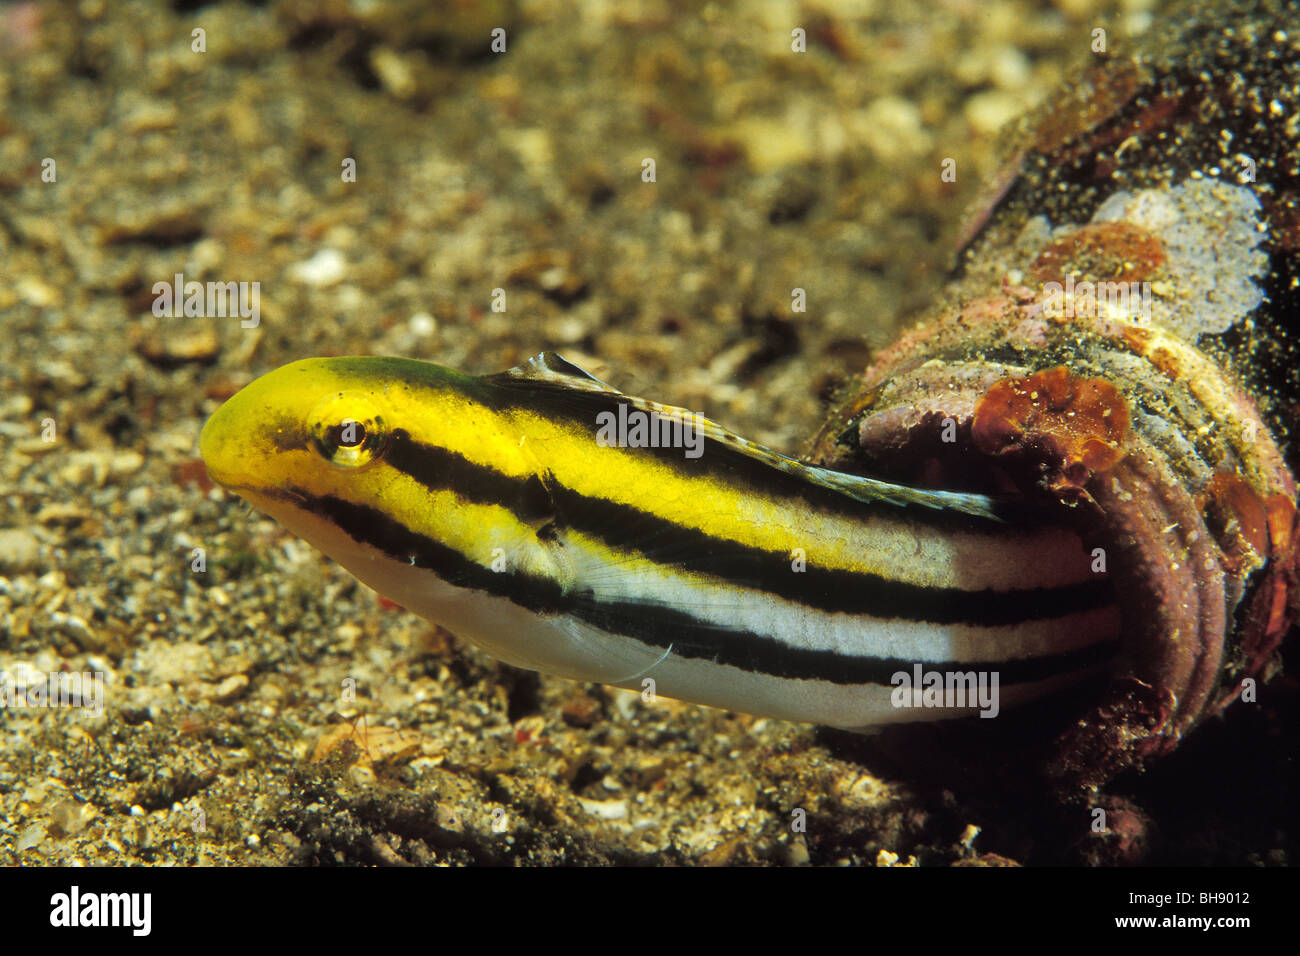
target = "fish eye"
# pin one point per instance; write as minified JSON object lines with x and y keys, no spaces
{"x":347,"y":431}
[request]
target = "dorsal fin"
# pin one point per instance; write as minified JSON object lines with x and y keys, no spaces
{"x":554,"y":369}
{"x":858,"y":487}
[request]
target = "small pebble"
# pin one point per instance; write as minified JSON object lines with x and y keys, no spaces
{"x":796,"y":854}
{"x":30,"y":837}
{"x":151,"y":116}
{"x":581,"y":710}
{"x":423,"y":324}
{"x":394,"y":72}
{"x":893,"y":128}
{"x":35,"y":292}
{"x":20,"y":551}
{"x":606,"y":809}
{"x":326,"y":268}
{"x":991,"y":110}
{"x":230,"y":688}
{"x":178,"y":347}
{"x":69,"y":817}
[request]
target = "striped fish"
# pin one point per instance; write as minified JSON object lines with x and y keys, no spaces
{"x":571,"y":529}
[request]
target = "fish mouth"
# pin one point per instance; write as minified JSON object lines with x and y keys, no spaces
{"x":244,"y":433}
{"x":219,"y":451}
{"x":211,"y":452}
